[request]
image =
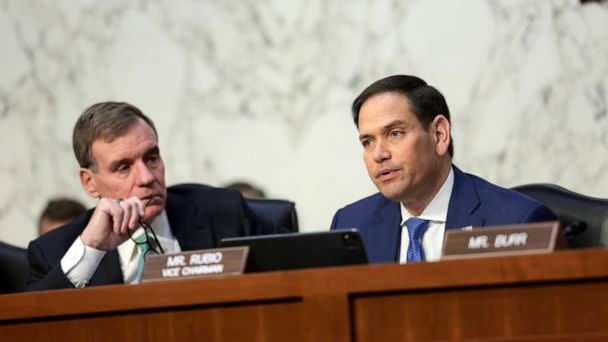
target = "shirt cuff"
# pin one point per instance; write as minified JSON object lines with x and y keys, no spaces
{"x":80,"y":262}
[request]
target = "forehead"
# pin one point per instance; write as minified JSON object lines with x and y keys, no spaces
{"x":138,"y":138}
{"x":384,"y":108}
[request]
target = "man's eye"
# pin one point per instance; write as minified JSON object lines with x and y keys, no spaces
{"x":153,"y":159}
{"x":396,"y":133}
{"x":122,"y":168}
{"x":366,"y":142}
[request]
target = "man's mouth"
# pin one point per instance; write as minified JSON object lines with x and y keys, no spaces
{"x":150,"y":199}
{"x":386,"y":174}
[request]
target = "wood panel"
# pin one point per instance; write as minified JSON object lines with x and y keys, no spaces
{"x":261,"y":322}
{"x":547,"y":310}
{"x":560,"y":296}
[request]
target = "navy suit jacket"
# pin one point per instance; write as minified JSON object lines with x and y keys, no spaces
{"x":474,"y":202}
{"x":199,"y":216}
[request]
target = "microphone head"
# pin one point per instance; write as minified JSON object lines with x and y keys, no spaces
{"x":575,"y":228}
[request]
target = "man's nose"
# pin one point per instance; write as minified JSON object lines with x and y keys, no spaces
{"x":381,"y":152}
{"x":144,"y":174}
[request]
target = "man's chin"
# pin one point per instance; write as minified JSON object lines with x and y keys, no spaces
{"x":152,"y":213}
{"x":392,"y":193}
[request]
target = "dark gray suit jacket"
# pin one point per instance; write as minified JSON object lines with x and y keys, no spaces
{"x":200,"y":216}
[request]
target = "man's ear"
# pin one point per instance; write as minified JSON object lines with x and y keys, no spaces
{"x":440,"y":130}
{"x":88,"y":182}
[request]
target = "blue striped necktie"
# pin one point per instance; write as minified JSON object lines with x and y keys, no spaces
{"x":415,"y":229}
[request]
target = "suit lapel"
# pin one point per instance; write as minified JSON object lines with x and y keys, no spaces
{"x":191,"y":229}
{"x":384,"y":234}
{"x":464,"y":201}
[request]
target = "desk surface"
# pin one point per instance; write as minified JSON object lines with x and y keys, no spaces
{"x":355,"y":292}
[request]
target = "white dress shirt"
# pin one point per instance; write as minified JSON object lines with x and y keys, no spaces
{"x":436,"y":213}
{"x":80,"y":261}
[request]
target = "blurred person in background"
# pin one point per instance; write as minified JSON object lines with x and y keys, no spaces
{"x":57,"y":212}
{"x":248,"y":190}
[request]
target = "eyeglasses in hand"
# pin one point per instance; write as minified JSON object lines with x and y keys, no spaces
{"x":148,"y":241}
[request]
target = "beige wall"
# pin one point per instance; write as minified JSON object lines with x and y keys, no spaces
{"x":261,"y":90}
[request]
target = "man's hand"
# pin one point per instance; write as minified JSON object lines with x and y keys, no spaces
{"x":111,"y":222}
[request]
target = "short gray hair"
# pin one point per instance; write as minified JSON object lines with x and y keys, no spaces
{"x":107,"y":121}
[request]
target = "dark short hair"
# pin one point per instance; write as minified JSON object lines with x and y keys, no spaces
{"x":104,"y":120}
{"x":245,"y":187}
{"x":425,"y":101}
{"x":62,"y":209}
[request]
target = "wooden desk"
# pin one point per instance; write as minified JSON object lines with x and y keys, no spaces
{"x":560,"y":296}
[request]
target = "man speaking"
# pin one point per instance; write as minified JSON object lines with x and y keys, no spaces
{"x":117,"y":148}
{"x":404,"y":128}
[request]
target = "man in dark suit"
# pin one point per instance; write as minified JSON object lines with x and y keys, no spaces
{"x":117,"y":148}
{"x":404,"y":128}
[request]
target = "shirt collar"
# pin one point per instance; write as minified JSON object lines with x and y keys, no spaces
{"x":437,"y":210}
{"x":160,"y":225}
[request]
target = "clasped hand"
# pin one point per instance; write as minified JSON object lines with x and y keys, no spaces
{"x":112,"y":222}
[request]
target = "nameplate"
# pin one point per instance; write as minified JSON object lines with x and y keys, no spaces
{"x":193,"y":264}
{"x":528,"y":238}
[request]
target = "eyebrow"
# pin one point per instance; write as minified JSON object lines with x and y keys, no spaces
{"x":153,"y":150}
{"x":115,"y":164}
{"x":386,"y":127}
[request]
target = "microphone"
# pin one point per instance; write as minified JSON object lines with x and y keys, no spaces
{"x":575,"y":228}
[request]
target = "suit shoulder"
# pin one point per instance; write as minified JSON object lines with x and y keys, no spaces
{"x":511,"y":201}
{"x":209,"y":197}
{"x":493,"y":192}
{"x":368,"y":203}
{"x":364,"y":211}
{"x":372,"y":200}
{"x":194,"y":189}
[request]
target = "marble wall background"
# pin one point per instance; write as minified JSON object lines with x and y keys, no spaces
{"x":261,"y":90}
